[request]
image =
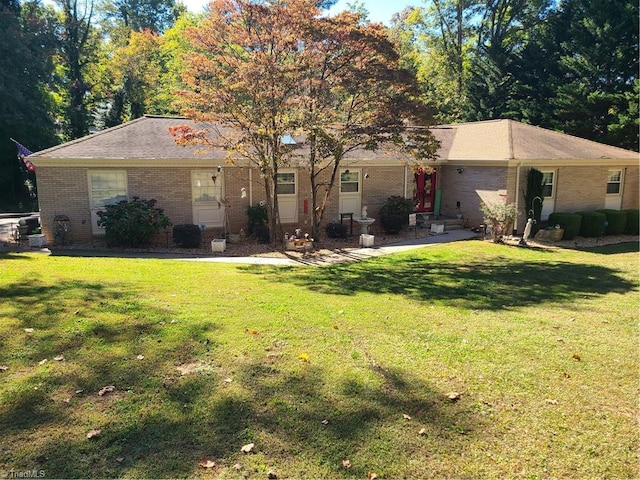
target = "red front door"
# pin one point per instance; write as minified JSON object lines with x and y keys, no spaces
{"x":425,"y":189}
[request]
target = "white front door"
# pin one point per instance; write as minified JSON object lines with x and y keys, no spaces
{"x":207,"y":189}
{"x":350,"y":200}
{"x":613,"y":198}
{"x":549,"y":193}
{"x":288,"y":196}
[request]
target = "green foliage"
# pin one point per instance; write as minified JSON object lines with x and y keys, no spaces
{"x":187,"y":235}
{"x":534,"y":195}
{"x":336,"y":230}
{"x":499,"y":216}
{"x":616,"y":221}
{"x":132,"y":223}
{"x":394,"y":213}
{"x":592,"y":224}
{"x":633,"y":222}
{"x":257,"y":216}
{"x":569,"y":222}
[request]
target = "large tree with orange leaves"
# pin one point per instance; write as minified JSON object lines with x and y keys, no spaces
{"x":271,"y":69}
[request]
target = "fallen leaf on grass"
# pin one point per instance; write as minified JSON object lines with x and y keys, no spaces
{"x":304,"y":357}
{"x":120,"y":459}
{"x":105,"y":390}
{"x":423,"y":431}
{"x":228,"y":380}
{"x":551,"y":401}
{"x":237,"y":466}
{"x":372,"y":476}
{"x":325,"y":422}
{"x":272,"y":475}
{"x":42,"y":362}
{"x":3,"y":368}
{"x":566,"y":375}
{"x":247,"y":448}
{"x":454,"y":396}
{"x":406,"y":417}
{"x":204,"y":463}
{"x":335,"y":327}
{"x":577,"y":357}
{"x":93,"y":434}
{"x":140,"y":357}
{"x":346,"y":463}
{"x":29,"y":330}
{"x":59,"y":358}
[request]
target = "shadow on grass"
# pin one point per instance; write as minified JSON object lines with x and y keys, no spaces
{"x":492,"y":284}
{"x":629,"y":247}
{"x":14,"y":256}
{"x":165,"y":428}
{"x":99,"y":329}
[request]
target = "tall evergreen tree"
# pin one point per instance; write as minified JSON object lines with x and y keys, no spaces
{"x":597,"y":90}
{"x":25,"y":70}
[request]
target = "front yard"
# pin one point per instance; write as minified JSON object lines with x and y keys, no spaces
{"x":463,"y":360}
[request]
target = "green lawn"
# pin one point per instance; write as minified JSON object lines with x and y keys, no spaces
{"x":318,"y":367}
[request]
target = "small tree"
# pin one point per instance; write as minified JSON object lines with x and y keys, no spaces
{"x":132,"y":223}
{"x":499,"y":216}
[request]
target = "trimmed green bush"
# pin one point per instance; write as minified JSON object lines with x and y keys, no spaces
{"x":616,"y":221}
{"x":569,"y":222}
{"x":592,"y":224}
{"x":633,"y":222}
{"x":257,"y":216}
{"x":132,"y":223}
{"x":393,"y":223}
{"x":187,"y":235}
{"x":336,"y":230}
{"x":394,"y":213}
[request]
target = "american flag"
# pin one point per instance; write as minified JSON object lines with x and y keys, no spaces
{"x":23,"y":153}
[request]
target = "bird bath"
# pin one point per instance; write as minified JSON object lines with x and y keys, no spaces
{"x":364,"y":221}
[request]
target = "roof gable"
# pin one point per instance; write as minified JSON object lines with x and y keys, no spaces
{"x":510,"y":140}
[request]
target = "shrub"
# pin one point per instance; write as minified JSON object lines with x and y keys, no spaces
{"x":592,"y":224}
{"x":393,"y":223}
{"x":132,"y":223}
{"x":257,"y":216}
{"x":187,"y":235}
{"x":336,"y":230}
{"x":633,"y":222}
{"x":570,"y":222}
{"x":499,"y":216}
{"x":616,"y":221}
{"x":394,"y":213}
{"x":262,"y":233}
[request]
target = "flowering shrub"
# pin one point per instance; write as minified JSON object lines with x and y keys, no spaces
{"x":499,"y":216}
{"x":132,"y":223}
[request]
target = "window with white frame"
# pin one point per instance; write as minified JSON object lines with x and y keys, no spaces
{"x":349,"y":182}
{"x":107,"y":188}
{"x":206,"y":186}
{"x":286,"y":183}
{"x":548,"y":179}
{"x":614,"y":182}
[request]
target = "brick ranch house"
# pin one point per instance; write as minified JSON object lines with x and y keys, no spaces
{"x":480,"y":161}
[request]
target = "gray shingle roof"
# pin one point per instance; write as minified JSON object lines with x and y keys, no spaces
{"x":492,"y":140}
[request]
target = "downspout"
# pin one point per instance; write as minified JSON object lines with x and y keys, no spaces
{"x":405,"y":181}
{"x":517,"y":202}
{"x":250,"y":186}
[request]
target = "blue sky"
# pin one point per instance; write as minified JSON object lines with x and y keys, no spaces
{"x":379,"y":10}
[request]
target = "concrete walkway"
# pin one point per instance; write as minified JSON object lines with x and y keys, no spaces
{"x":315,"y":260}
{"x":346,"y":255}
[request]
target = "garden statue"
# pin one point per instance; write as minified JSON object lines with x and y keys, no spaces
{"x":527,"y":231}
